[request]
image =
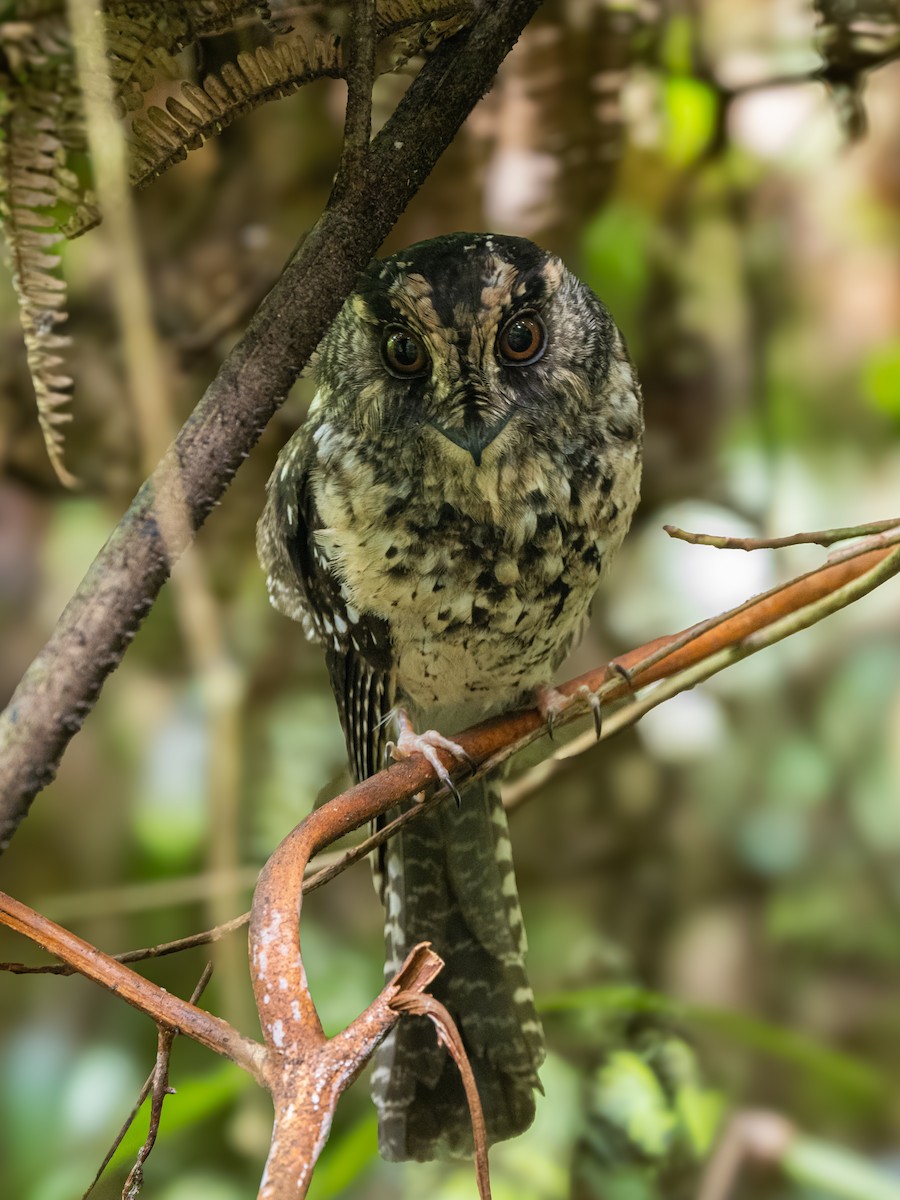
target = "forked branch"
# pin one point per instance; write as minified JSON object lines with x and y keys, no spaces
{"x":305,"y":1071}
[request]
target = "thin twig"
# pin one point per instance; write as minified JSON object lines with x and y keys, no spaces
{"x":791,"y":623}
{"x":165,"y":1037}
{"x":160,"y":1085}
{"x":204,"y":938}
{"x":638,"y":664}
{"x":822,"y":537}
{"x":420,"y":1004}
{"x":750,"y":1136}
{"x":698,"y":670}
{"x":354,"y":166}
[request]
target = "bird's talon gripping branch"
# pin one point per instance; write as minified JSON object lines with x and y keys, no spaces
{"x":593,"y":702}
{"x":428,"y":743}
{"x":551,"y":704}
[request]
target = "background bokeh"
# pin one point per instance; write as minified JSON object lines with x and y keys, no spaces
{"x":713,"y":899}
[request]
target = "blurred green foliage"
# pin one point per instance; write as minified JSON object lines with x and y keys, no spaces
{"x":712,"y":900}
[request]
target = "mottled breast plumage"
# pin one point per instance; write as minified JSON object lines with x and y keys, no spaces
{"x":472,"y":504}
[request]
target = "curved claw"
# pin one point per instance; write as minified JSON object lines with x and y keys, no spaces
{"x":616,"y":668}
{"x":427,"y":744}
{"x":552,"y":704}
{"x":593,"y":702}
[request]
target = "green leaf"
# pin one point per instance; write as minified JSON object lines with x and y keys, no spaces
{"x":831,"y":1066}
{"x":192,"y":1102}
{"x":700,"y":1111}
{"x":629,"y":1095}
{"x":881,"y":379}
{"x":345,"y":1159}
{"x":616,"y":264}
{"x":691,"y":112}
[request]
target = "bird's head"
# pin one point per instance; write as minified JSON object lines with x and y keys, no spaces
{"x":466,"y":344}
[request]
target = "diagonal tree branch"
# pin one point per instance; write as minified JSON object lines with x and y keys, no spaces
{"x":164,"y":1007}
{"x":62,"y":684}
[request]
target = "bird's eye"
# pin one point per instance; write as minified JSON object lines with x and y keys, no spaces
{"x":403,"y":352}
{"x":522,"y":340}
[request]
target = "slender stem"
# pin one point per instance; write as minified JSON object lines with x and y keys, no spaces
{"x":165,"y":1038}
{"x":821,"y":537}
{"x":360,"y":80}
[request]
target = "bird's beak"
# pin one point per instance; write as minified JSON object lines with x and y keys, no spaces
{"x":474,"y":434}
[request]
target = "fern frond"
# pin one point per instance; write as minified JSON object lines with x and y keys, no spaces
{"x":407,"y":28}
{"x":141,"y":48}
{"x":165,"y":136}
{"x":32,"y":180}
{"x":143,"y":40}
{"x":397,"y":16}
{"x":35,"y":42}
{"x":270,"y":21}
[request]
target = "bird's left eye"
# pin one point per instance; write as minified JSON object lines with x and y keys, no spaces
{"x":522,"y":340}
{"x":403,"y":352}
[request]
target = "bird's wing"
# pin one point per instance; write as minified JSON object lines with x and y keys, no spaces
{"x":304,"y":585}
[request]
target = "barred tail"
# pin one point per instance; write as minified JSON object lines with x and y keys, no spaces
{"x":448,"y":879}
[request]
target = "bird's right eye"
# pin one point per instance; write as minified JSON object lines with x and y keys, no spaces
{"x":403,"y":352}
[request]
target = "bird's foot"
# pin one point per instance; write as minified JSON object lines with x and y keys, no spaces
{"x":428,"y":743}
{"x":551,"y":704}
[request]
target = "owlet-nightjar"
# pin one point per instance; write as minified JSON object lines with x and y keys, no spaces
{"x":470,"y":464}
